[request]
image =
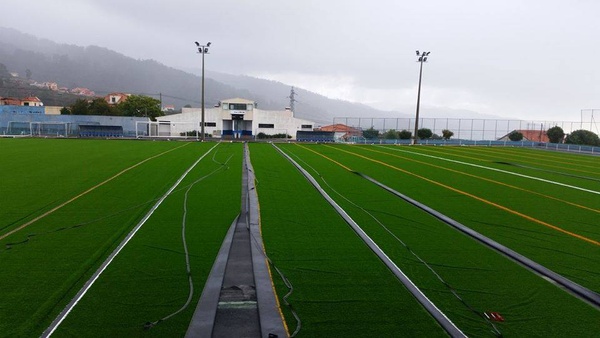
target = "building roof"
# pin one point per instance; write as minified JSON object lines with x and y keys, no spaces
{"x":31,"y":99}
{"x":529,"y":135}
{"x":339,"y":127}
{"x":10,"y":101}
{"x":237,"y":100}
{"x":120,"y":97}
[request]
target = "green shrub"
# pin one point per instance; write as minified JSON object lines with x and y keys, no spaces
{"x":515,"y":136}
{"x":555,"y":134}
{"x":583,"y":137}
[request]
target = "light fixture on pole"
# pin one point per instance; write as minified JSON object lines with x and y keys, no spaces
{"x":202,"y":49}
{"x":422,"y":58}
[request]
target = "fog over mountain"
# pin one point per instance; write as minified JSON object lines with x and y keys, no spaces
{"x":104,"y":71}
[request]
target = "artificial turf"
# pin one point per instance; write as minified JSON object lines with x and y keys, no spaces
{"x":564,"y":253}
{"x":341,"y":289}
{"x":40,"y":275}
{"x":484,"y":279}
{"x":148,"y":280}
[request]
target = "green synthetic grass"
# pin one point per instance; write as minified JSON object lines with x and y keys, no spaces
{"x":565,"y":254}
{"x":41,"y":275}
{"x":148,"y":280}
{"x":484,"y":279}
{"x":341,"y":289}
{"x":40,"y":174}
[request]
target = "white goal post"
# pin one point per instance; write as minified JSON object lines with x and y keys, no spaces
{"x":57,"y":129}
{"x":167,"y":129}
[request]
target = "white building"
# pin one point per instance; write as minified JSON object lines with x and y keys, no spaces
{"x":233,"y":119}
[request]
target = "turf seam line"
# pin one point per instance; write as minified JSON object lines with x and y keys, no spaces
{"x":86,"y":192}
{"x":429,"y":306}
{"x":202,"y":321}
{"x":149,"y":325}
{"x":270,"y":315}
{"x":492,"y":181}
{"x":549,"y":171}
{"x":422,"y":261}
{"x":65,"y":312}
{"x":579,"y":291}
{"x":478,"y":198}
{"x":502,"y":171}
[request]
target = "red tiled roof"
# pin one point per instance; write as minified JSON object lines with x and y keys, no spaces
{"x":339,"y":128}
{"x":535,"y":135}
{"x":10,"y":101}
{"x":531,"y":135}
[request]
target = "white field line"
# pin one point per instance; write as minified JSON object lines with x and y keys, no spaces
{"x":65,"y":312}
{"x":498,"y":170}
{"x":86,"y":192}
{"x":430,"y":307}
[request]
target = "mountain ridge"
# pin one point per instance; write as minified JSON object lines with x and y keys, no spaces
{"x":103,"y":71}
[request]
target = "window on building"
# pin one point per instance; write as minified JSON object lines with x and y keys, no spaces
{"x":113,"y":99}
{"x":237,"y":106}
{"x":266,"y":125}
{"x":210,"y":124}
{"x":307,"y":126}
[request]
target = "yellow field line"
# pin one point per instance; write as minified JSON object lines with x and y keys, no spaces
{"x":86,"y":192}
{"x":264,"y":249}
{"x":501,"y":207}
{"x":330,"y":159}
{"x":488,"y":180}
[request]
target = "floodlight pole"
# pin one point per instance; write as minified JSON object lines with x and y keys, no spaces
{"x":422,"y":58}
{"x":202,"y":49}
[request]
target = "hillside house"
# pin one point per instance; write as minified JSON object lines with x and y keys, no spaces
{"x":31,"y":101}
{"x":116,"y":98}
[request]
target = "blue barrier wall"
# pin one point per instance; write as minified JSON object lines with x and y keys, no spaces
{"x":22,"y":110}
{"x":20,"y":122}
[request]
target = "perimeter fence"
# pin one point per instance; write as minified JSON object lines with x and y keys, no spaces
{"x":466,"y":129}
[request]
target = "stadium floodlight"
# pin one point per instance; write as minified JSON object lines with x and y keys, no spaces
{"x":202,"y":49}
{"x":422,"y":58}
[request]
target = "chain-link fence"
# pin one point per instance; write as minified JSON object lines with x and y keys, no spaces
{"x":467,"y":129}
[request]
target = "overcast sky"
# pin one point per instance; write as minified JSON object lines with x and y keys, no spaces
{"x":530,"y":59}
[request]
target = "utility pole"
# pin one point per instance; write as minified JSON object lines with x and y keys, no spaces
{"x":293,"y":100}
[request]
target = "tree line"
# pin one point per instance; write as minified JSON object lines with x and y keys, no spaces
{"x":555,"y":135}
{"x":134,"y":105}
{"x":392,"y":134}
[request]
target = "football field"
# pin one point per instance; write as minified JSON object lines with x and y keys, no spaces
{"x":66,"y":205}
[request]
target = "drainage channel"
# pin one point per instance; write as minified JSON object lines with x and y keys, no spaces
{"x":238,"y":299}
{"x":237,"y":309}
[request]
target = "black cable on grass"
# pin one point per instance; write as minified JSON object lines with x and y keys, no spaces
{"x":287,"y":283}
{"x":9,"y":246}
{"x":480,"y":314}
{"x":224,"y":166}
{"x":283,"y":277}
{"x":28,"y":237}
